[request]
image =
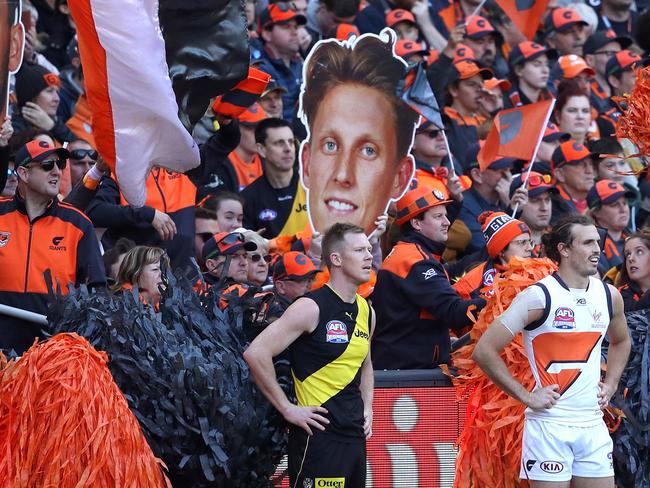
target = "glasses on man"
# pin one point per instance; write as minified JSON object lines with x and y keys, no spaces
{"x":48,"y":164}
{"x":204,"y":236}
{"x":82,"y":153}
{"x":231,"y":238}
{"x":535,"y":180}
{"x":12,"y":173}
{"x":609,"y":54}
{"x":432,"y":133}
{"x":523,"y":243}
{"x":256,"y":257}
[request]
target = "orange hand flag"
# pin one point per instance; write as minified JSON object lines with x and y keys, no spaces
{"x":510,"y":137}
{"x":525,"y":14}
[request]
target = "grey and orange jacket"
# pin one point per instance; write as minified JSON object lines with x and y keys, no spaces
{"x":61,"y":240}
{"x":416,"y":306}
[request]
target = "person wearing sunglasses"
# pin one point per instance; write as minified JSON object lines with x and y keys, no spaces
{"x":505,"y":238}
{"x":226,"y":259}
{"x":258,"y":260}
{"x":38,"y":234}
{"x":82,"y":157}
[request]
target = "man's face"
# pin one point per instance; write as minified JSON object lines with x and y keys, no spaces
{"x":283,"y":37}
{"x":356,"y":257}
{"x":407,"y":31}
{"x":570,"y":41}
{"x":612,"y":168}
{"x":237,"y":269}
{"x":11,"y":52}
{"x":584,"y":252}
{"x":299,"y":6}
{"x":535,"y":73}
{"x":598,"y":60}
{"x":491,"y":177}
{"x":624,"y":84}
{"x":434,"y":225}
{"x":484,"y":48}
{"x":577,"y":177}
{"x":429,"y":143}
{"x":247,"y":140}
{"x":292,"y":289}
{"x":350,"y":164}
{"x":279,"y":149}
{"x":41,"y":182}
{"x":613,"y":216}
{"x":272,"y":104}
{"x":468,"y":93}
{"x":204,"y":229}
{"x":537,"y":212}
{"x":521,"y":247}
{"x":79,"y":167}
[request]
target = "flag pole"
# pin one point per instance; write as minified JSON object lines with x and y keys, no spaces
{"x":532,"y":161}
{"x":452,"y":170}
{"x":476,"y":11}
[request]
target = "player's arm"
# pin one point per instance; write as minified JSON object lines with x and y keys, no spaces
{"x":619,"y":349}
{"x":487,"y":353}
{"x":301,"y":317}
{"x":368,"y":384}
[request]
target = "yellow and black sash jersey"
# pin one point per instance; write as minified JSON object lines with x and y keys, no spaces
{"x":326,"y":364}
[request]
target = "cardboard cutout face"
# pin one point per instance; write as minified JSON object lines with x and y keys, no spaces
{"x":12,"y":42}
{"x":355,"y":160}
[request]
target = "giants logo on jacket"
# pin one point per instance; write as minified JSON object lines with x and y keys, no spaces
{"x":336,"y":331}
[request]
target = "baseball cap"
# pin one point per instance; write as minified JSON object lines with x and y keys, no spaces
{"x":471,"y":159}
{"x":492,"y":83}
{"x":624,"y":60}
{"x":478,"y":27}
{"x":537,"y":184}
{"x":398,"y":15}
{"x":499,"y":230}
{"x":271,"y":87}
{"x":599,"y":38}
{"x":424,"y":124}
{"x":528,"y":51}
{"x":552,"y":133}
{"x":36,"y":151}
{"x":31,"y":80}
{"x":465,"y":69}
{"x":225,"y":243}
{"x":607,"y":191}
{"x":276,"y":13}
{"x":569,"y":152}
{"x":420,"y":199}
{"x":462,"y":52}
{"x":343,"y":32}
{"x":570,"y":66}
{"x":405,"y":49}
{"x":562,"y":19}
{"x":293,"y":265}
{"x":252,"y":115}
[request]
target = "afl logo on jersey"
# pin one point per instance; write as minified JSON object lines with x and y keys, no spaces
{"x":564,"y":319}
{"x":336,"y":331}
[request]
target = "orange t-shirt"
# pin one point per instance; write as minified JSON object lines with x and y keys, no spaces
{"x":247,"y":172}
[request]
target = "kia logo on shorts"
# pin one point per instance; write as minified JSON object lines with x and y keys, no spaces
{"x":551,"y":467}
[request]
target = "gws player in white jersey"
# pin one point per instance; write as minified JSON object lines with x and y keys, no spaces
{"x":564,"y":318}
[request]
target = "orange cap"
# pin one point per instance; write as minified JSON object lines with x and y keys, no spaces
{"x":343,"y":32}
{"x":624,"y":60}
{"x":465,"y":69}
{"x":405,"y":49}
{"x":399,"y":15}
{"x":569,"y":152}
{"x":478,"y":27}
{"x":573,"y":65}
{"x":252,"y":115}
{"x":420,"y":199}
{"x":463,"y":52}
{"x":562,"y":19}
{"x":493,"y":83}
{"x":607,"y":191}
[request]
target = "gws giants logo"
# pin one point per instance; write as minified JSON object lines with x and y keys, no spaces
{"x":336,"y":331}
{"x":4,"y":238}
{"x":564,"y":319}
{"x":56,"y":244}
{"x":552,"y":467}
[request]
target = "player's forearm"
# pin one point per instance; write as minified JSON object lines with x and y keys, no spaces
{"x":261,"y":366}
{"x":494,"y":367}
{"x":617,"y":357}
{"x":367,"y":384}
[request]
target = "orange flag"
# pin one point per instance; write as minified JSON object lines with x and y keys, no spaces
{"x":525,"y":14}
{"x":510,"y":137}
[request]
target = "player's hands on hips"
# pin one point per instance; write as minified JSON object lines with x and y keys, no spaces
{"x":542,"y":398}
{"x":367,"y":423}
{"x":605,"y":394}
{"x":305,"y":417}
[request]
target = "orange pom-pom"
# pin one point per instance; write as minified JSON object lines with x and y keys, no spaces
{"x":64,"y":422}
{"x":633,"y":123}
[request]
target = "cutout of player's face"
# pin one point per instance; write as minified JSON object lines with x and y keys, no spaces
{"x":11,"y":53}
{"x":350,"y":164}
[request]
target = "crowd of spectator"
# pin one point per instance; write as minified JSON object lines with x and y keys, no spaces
{"x":240,"y":219}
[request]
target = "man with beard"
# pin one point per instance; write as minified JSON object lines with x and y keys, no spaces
{"x":566,"y":31}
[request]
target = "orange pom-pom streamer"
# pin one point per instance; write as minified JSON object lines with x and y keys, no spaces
{"x":633,"y":123}
{"x":490,"y":444}
{"x":64,"y":423}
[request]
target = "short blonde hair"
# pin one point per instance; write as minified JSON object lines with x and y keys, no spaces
{"x":134,"y":262}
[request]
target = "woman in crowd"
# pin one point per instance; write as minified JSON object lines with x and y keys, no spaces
{"x":258,"y":260}
{"x":634,"y":278}
{"x":573,"y":111}
{"x":141,"y":267}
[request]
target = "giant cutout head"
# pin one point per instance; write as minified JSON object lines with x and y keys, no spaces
{"x":355,"y":159}
{"x":12,"y":40}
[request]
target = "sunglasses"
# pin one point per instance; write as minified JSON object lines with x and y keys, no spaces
{"x":82,"y":153}
{"x":256,"y":257}
{"x":204,"y":236}
{"x":48,"y":165}
{"x":433,"y":133}
{"x":231,"y":238}
{"x":535,"y":180}
{"x":12,"y":172}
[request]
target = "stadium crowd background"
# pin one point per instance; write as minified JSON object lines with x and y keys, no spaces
{"x":230,"y":215}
